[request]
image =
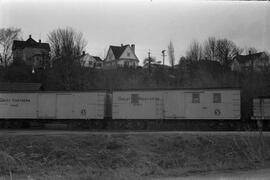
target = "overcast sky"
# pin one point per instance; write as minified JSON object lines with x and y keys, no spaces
{"x":145,"y":23}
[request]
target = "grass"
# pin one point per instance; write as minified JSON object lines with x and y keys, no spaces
{"x":128,"y":156}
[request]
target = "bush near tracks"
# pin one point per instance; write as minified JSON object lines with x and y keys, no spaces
{"x":128,"y":156}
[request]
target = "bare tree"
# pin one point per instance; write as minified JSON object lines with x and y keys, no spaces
{"x":226,"y":50}
{"x":171,"y":54}
{"x":210,"y":46}
{"x":66,"y":43}
{"x":194,"y":52}
{"x":66,"y":47}
{"x":148,"y":61}
{"x":7,"y":36}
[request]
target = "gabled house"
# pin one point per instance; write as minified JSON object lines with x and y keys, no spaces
{"x":91,"y":61}
{"x":31,"y":52}
{"x":256,"y":62}
{"x":121,"y":56}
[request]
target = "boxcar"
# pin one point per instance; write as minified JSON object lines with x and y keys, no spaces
{"x":52,"y":105}
{"x":177,"y":104}
{"x":261,"y":112}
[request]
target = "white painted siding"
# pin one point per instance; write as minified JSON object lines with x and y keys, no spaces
{"x":176,"y":104}
{"x":80,"y":106}
{"x":47,"y":105}
{"x":18,"y":105}
{"x":137,"y":105}
{"x":110,"y":56}
{"x":64,"y":106}
{"x":128,"y":54}
{"x":89,"y":105}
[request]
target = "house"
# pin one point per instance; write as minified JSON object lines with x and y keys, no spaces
{"x":91,"y":61}
{"x":121,"y":56}
{"x":256,"y":61}
{"x":31,"y":52}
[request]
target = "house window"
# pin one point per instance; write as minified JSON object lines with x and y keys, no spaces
{"x":128,"y":54}
{"x":195,"y":98}
{"x":217,"y":98}
{"x":126,"y":63}
{"x":134,"y":99}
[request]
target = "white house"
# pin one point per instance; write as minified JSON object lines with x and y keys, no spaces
{"x":121,"y":56}
{"x":91,"y":61}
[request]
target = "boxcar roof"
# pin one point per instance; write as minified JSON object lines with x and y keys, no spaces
{"x":164,"y":89}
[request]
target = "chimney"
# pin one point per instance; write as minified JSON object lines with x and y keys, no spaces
{"x":30,"y":36}
{"x":249,"y":52}
{"x":122,"y":45}
{"x":133,"y":47}
{"x":39,"y":40}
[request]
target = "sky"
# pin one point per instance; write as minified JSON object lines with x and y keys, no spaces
{"x":149,"y":24}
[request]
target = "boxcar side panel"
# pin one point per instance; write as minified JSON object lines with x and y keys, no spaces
{"x":64,"y":106}
{"x":89,"y":105}
{"x":227,"y":108}
{"x":47,"y":105}
{"x":174,"y":105}
{"x":137,"y":105}
{"x":18,"y":105}
{"x":212,"y":104}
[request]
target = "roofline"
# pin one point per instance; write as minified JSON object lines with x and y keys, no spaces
{"x":162,"y":89}
{"x":105,"y":90}
{"x":40,"y":91}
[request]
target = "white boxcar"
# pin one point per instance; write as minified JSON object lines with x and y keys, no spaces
{"x":53,"y":105}
{"x":261,"y":108}
{"x":18,"y":105}
{"x":202,"y":104}
{"x":177,"y":104}
{"x":71,"y":105}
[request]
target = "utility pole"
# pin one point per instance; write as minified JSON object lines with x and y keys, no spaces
{"x":163,"y":55}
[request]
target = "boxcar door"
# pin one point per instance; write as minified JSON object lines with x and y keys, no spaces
{"x":174,"y":105}
{"x":193,"y":105}
{"x":207,"y":105}
{"x":47,"y":106}
{"x":64,"y":106}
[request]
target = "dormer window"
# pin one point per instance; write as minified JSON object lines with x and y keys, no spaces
{"x":128,"y":54}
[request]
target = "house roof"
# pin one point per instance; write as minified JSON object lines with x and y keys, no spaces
{"x":97,"y":58}
{"x":244,"y":58}
{"x":7,"y":86}
{"x":29,"y":43}
{"x":89,"y":56}
{"x":118,"y":50}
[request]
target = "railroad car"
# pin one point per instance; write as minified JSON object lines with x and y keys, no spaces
{"x":160,"y":109}
{"x":185,"y":106}
{"x":261,"y":111}
{"x":46,"y":106}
